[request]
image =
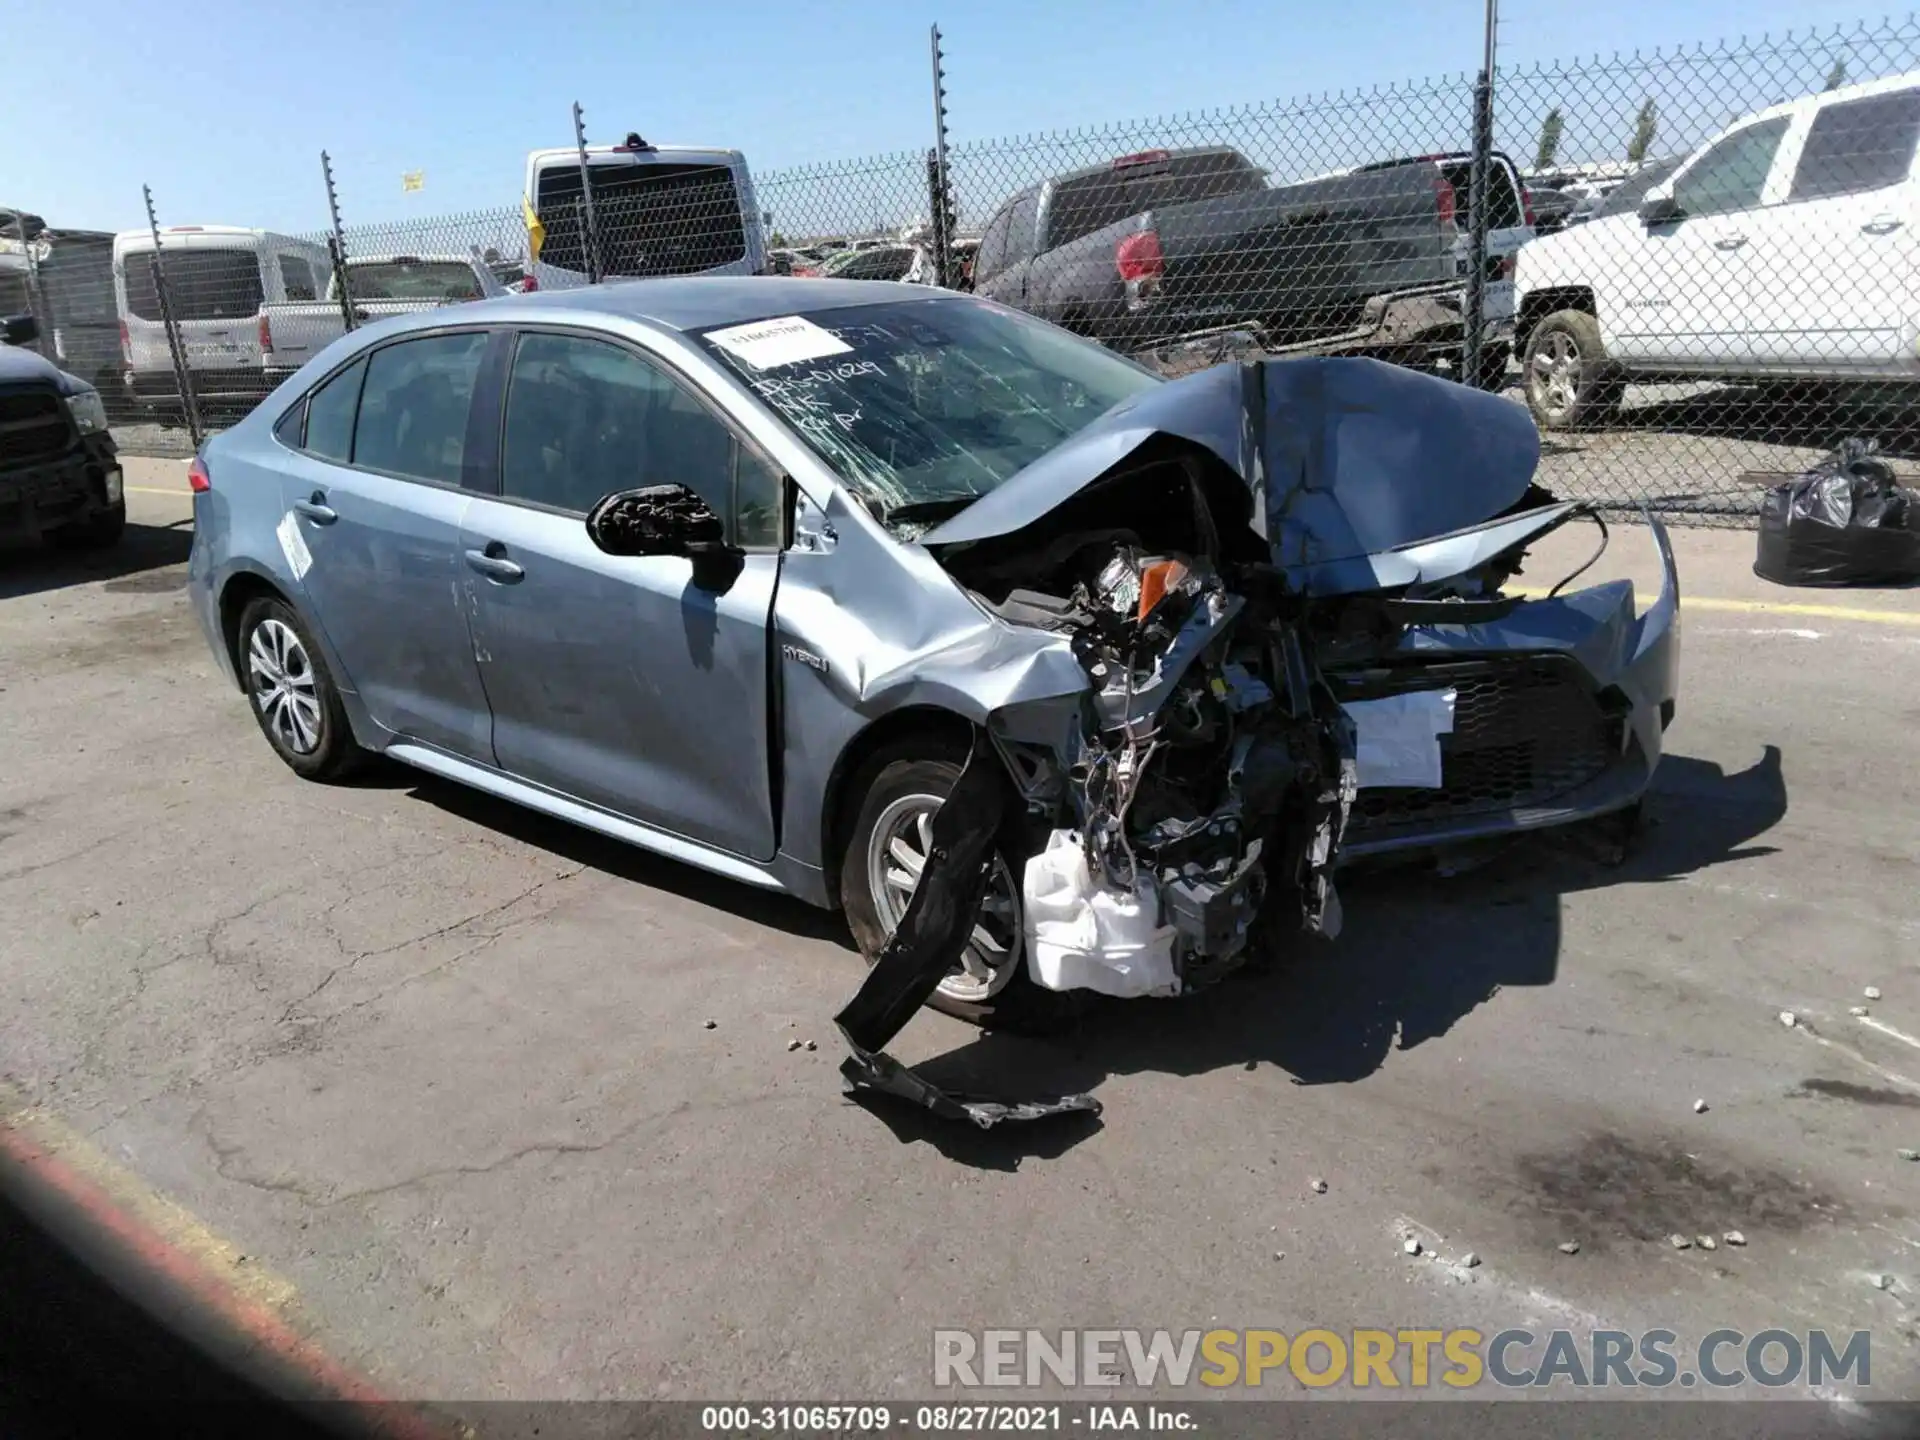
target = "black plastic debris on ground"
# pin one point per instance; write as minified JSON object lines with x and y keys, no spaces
{"x":938,"y":921}
{"x":1844,"y":522}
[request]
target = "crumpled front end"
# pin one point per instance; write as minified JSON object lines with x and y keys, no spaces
{"x":1285,"y":585}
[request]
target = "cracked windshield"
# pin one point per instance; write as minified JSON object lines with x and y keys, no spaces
{"x":925,"y":407}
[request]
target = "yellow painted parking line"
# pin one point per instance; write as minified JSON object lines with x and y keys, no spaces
{"x":1774,"y":607}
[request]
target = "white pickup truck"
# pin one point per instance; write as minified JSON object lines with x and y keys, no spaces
{"x":377,"y":286}
{"x":1787,"y":247}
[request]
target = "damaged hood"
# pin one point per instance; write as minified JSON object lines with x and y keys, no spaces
{"x":1349,"y":461}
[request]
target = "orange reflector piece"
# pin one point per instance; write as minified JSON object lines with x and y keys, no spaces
{"x":1155,"y":581}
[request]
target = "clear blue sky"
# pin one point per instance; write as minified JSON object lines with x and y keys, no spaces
{"x":224,"y":105}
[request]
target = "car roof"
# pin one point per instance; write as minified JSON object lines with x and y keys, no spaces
{"x":691,"y":302}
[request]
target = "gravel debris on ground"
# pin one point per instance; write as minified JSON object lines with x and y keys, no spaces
{"x":1883,"y":1282}
{"x":1734,"y":1237}
{"x":1872,"y":992}
{"x":1906,"y":1154}
{"x":1569,"y":1247}
{"x":1412,"y":1246}
{"x":1679,"y":1242}
{"x":710,"y":1024}
{"x":1699,"y":1107}
{"x":1857,"y":1011}
{"x":1789,"y":1019}
{"x":1469,"y":1260}
{"x":792,"y":1045}
{"x":1317,"y":1185}
{"x":1705,"y":1242}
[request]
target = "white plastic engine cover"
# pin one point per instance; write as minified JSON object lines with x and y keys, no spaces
{"x":1084,"y":936}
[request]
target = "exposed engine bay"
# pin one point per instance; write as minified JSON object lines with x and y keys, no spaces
{"x":1215,"y":770}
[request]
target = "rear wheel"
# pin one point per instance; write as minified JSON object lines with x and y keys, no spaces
{"x":294,"y":699}
{"x":1570,"y":382}
{"x":886,"y":852}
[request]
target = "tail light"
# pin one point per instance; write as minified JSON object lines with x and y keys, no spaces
{"x":1503,"y":268}
{"x":1141,"y":264}
{"x":266,"y":334}
{"x":1443,"y":196}
{"x":529,"y":285}
{"x":198,"y":480}
{"x":126,"y":344}
{"x":1526,"y":204}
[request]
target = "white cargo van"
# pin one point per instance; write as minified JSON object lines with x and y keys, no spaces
{"x":1786,"y":247}
{"x":218,"y":278}
{"x":655,"y":210}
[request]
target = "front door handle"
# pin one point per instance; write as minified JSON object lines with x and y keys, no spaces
{"x":317,"y":509}
{"x":1881,"y":225}
{"x":1729,"y":242}
{"x":492,"y":562}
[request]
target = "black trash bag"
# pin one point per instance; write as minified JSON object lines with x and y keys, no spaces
{"x":1844,"y":522}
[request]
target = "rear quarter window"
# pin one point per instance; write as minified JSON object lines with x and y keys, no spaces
{"x":1858,"y":145}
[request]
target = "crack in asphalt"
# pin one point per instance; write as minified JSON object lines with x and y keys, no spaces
{"x":287,"y":1015}
{"x":319,"y":1200}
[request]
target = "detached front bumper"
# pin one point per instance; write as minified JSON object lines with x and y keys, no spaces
{"x":1560,"y":715}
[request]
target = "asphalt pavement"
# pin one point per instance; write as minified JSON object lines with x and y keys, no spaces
{"x":442,"y":1069}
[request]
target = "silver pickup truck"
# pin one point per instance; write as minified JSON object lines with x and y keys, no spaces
{"x":377,"y":286}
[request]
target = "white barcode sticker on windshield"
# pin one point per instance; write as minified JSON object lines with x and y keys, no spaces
{"x":787,"y":340}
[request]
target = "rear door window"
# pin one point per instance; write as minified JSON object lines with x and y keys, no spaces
{"x":203,"y":284}
{"x":330,"y":411}
{"x":413,"y":407}
{"x":1858,"y":145}
{"x":1733,"y":174}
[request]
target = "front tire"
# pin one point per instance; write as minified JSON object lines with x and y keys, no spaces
{"x":903,"y":786}
{"x":292,"y":694}
{"x":1570,"y":382}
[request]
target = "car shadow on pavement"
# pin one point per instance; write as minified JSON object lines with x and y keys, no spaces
{"x":614,"y":857}
{"x":32,"y":568}
{"x":1420,"y":951}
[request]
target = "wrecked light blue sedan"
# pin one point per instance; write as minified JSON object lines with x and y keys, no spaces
{"x":749,"y":571}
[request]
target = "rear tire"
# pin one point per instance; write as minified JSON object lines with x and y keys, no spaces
{"x":901,"y":786}
{"x":292,"y":694}
{"x":100,"y":531}
{"x":1570,"y":382}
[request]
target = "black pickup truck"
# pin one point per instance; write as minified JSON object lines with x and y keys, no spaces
{"x":1162,"y":244}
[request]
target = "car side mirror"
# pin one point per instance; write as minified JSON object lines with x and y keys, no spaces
{"x":1659,"y":207}
{"x":20,"y":329}
{"x":667,"y":520}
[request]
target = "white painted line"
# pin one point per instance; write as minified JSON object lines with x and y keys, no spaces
{"x":1886,"y":1029}
{"x":1892,"y":1077}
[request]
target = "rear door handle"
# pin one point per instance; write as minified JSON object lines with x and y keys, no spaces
{"x":492,"y":562}
{"x":1729,"y":242}
{"x":1881,"y":225}
{"x":317,"y":509}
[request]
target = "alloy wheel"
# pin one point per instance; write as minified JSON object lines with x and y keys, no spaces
{"x":896,"y":856}
{"x":284,"y":687}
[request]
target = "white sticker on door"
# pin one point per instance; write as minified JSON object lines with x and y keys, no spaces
{"x":787,"y":340}
{"x":294,"y":546}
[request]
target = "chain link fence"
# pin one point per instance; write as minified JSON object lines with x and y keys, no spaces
{"x":1701,"y":268}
